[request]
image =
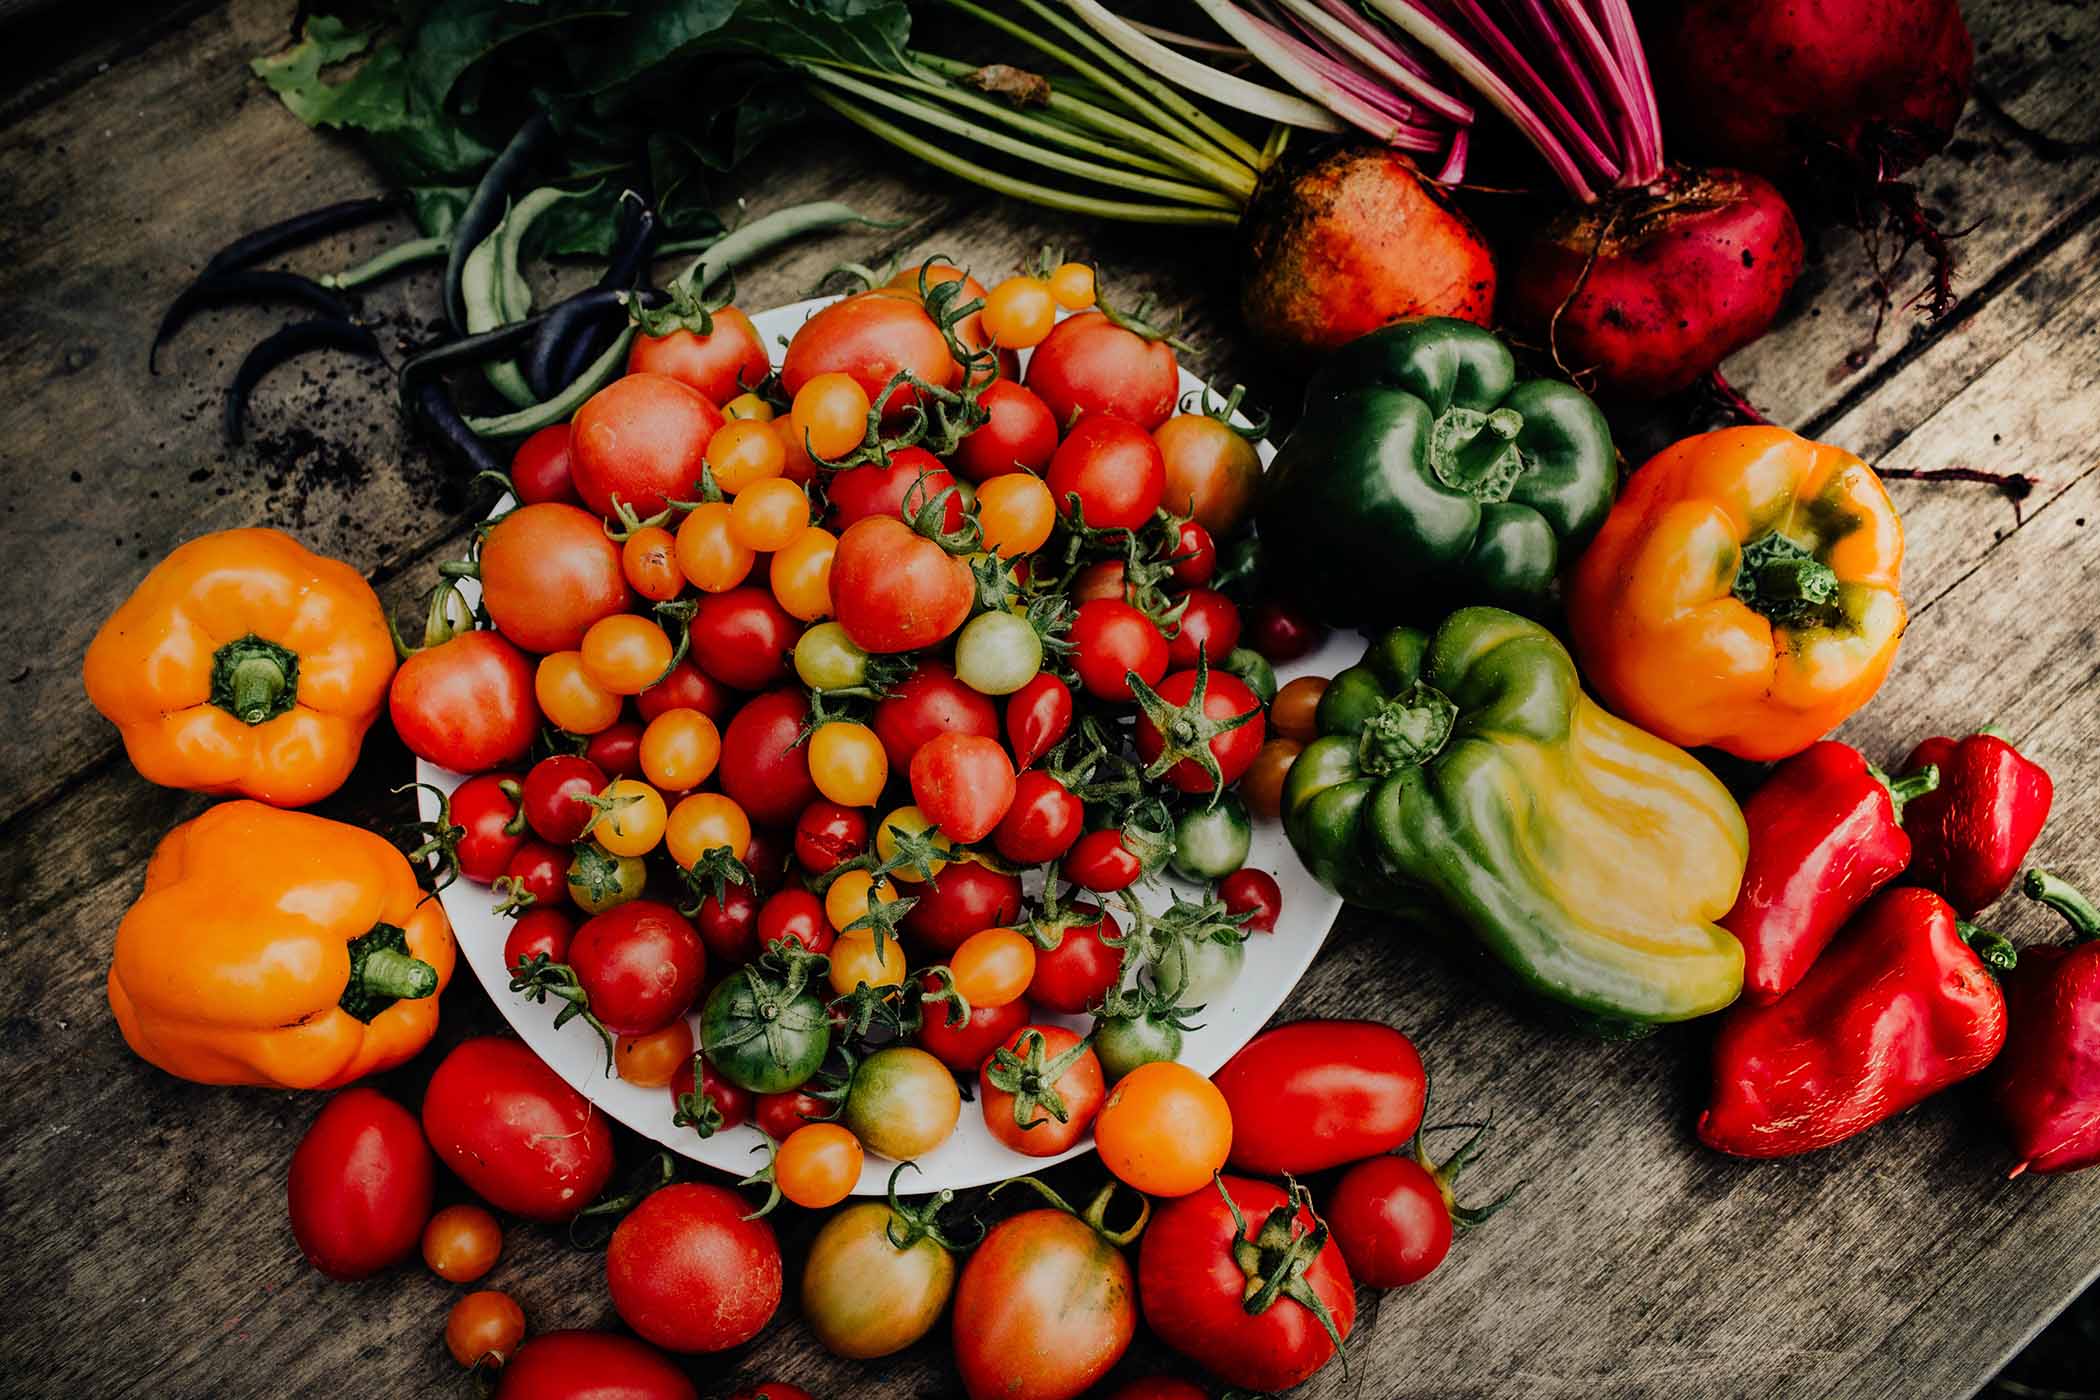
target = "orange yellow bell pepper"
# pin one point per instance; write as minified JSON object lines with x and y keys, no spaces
{"x":278,"y":948}
{"x":1743,"y":593}
{"x":244,"y":664}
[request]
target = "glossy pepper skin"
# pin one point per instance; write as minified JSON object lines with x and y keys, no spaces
{"x":1825,"y":833}
{"x":278,"y":948}
{"x":1425,"y":474}
{"x":244,"y":664}
{"x":1744,"y":593}
{"x":1970,"y":836}
{"x":2047,"y":1083}
{"x":1590,"y":858}
{"x":1897,"y":1008}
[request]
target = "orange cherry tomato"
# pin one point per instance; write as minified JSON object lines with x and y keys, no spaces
{"x":1261,"y":786}
{"x":679,"y":750}
{"x":461,"y":1243}
{"x":1020,"y":312}
{"x":767,"y":515}
{"x":846,"y":899}
{"x":704,"y":822}
{"x":818,"y":1165}
{"x":993,"y":966}
{"x":910,"y":821}
{"x":570,"y":698}
{"x":799,"y":466}
{"x":626,"y":654}
{"x":801,"y":574}
{"x":847,"y":763}
{"x":631,"y":818}
{"x":708,"y":551}
{"x":1073,"y":286}
{"x":650,"y":1061}
{"x":483,"y":1324}
{"x":1164,"y":1129}
{"x":745,"y":451}
{"x":1017,"y":512}
{"x":1291,"y":713}
{"x":830,"y":415}
{"x":649,"y":558}
{"x":855,"y":959}
{"x":752,"y":407}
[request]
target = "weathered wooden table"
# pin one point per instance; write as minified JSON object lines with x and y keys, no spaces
{"x":147,"y":1247}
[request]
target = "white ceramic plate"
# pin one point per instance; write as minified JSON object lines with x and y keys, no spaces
{"x":972,"y":1157}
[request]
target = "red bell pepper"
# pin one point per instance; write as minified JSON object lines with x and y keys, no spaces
{"x":2047,"y":1083}
{"x":1825,"y":833}
{"x":1898,"y":1008}
{"x":1970,"y":836}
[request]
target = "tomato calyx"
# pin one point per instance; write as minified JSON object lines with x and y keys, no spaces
{"x":859,"y":1012}
{"x":956,"y":1006}
{"x":446,"y":612}
{"x":539,"y":977}
{"x":1275,"y":1257}
{"x":1186,"y":730}
{"x":629,"y":522}
{"x":1031,"y":1076}
{"x":1095,"y":1216}
{"x":1163,"y":940}
{"x":1254,"y":429}
{"x":922,"y":1222}
{"x":685,"y":310}
{"x":697,"y":1109}
{"x":439,"y":840}
{"x":767,"y":1176}
{"x":1446,"y":1172}
{"x":711,"y":876}
{"x":382,"y":972}
{"x":512,"y":897}
{"x":1137,"y":322}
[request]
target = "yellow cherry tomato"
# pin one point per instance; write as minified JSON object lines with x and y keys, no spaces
{"x":1073,"y":286}
{"x":767,"y":515}
{"x":847,"y":763}
{"x":855,"y":959}
{"x":993,"y":966}
{"x":818,"y":1165}
{"x":743,"y":451}
{"x":1020,"y":312}
{"x":708,"y":551}
{"x":749,"y":406}
{"x":801,"y":574}
{"x":1164,"y":1129}
{"x":913,"y":822}
{"x":679,"y":750}
{"x":1017,"y":512}
{"x":650,"y":1061}
{"x":702,"y":823}
{"x":570,"y":698}
{"x":830,"y":415}
{"x":631,"y":820}
{"x":649,"y":558}
{"x":626,"y":653}
{"x":847,"y":898}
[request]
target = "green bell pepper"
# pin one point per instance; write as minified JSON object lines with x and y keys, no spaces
{"x":1589,"y":857}
{"x":1424,"y":475}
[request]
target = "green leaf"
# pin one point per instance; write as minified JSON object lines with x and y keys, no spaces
{"x":373,"y":99}
{"x":868,"y":32}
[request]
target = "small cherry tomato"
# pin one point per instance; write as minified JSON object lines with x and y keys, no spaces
{"x":930,"y":701}
{"x":830,"y":415}
{"x":846,"y":899}
{"x":1209,"y":628}
{"x":641,"y":964}
{"x":1391,"y":1219}
{"x":1072,"y":284}
{"x":598,"y":880}
{"x":570,"y":697}
{"x":1042,"y":822}
{"x":1092,"y":366}
{"x":743,"y":639}
{"x":730,"y":357}
{"x":687,"y":688}
{"x":1281,"y":632}
{"x":1261,"y":786}
{"x":744,"y":453}
{"x":1195,"y":555}
{"x":768,"y":515}
{"x":1037,"y":716}
{"x":1164,"y":1129}
{"x":1110,"y":639}
{"x":1079,"y":968}
{"x":728,"y":925}
{"x":993,"y":967}
{"x":855,"y":960}
{"x":906,"y":822}
{"x":649,"y":558}
{"x":1017,"y":514}
{"x":626,"y":654}
{"x":750,"y":406}
{"x":539,"y":469}
{"x":997,"y":653}
{"x":818,"y":1165}
{"x":538,"y":931}
{"x":965,"y":897}
{"x":679,"y":750}
{"x":703,"y":822}
{"x":650,"y":1060}
{"x":630,"y":818}
{"x":710,"y":1104}
{"x":1107,"y":471}
{"x":1019,"y":313}
{"x":491,"y":828}
{"x":797,"y":914}
{"x":963,"y":1048}
{"x":538,"y":874}
{"x":482,"y":1325}
{"x":462,"y":1242}
{"x":360,"y":1185}
{"x":1099,"y":861}
{"x":1254,"y":893}
{"x":847,"y":763}
{"x":1018,"y":435}
{"x":617,"y":749}
{"x":1225,"y":698}
{"x":1040,"y":1091}
{"x":1291,"y":713}
{"x":781,"y":1116}
{"x":709,"y":553}
{"x":1213,"y":471}
{"x":800,"y":573}
{"x":827,"y":835}
{"x":962,"y":783}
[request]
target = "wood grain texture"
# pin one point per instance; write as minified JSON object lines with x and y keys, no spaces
{"x":150,"y":1253}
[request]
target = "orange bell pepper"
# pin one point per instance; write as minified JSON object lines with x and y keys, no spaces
{"x":1743,"y":593}
{"x":278,"y":948}
{"x":243,"y":663}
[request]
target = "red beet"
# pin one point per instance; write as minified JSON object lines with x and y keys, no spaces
{"x":1650,"y":289}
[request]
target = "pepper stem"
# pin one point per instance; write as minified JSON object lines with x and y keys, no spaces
{"x":1783,"y":581}
{"x":1911,"y":785}
{"x":2065,"y":899}
{"x":1995,"y":949}
{"x":382,"y":972}
{"x":1409,"y":729}
{"x":1476,"y":452}
{"x":254,"y":680}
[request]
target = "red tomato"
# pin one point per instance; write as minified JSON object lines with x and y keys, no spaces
{"x":1114,"y":468}
{"x":927,"y":703}
{"x":871,"y":337}
{"x":1080,"y":969}
{"x":729,"y":926}
{"x":1019,"y":436}
{"x":690,"y":1273}
{"x":555,"y":796}
{"x":641,"y":963}
{"x":484,"y":813}
{"x":617,"y":749}
{"x":1225,"y":695}
{"x":539,"y":469}
{"x":732,"y":1102}
{"x":963,"y":1048}
{"x":540,"y":870}
{"x":536,"y":931}
{"x":779,"y":1115}
{"x":1315,"y":1094}
{"x":1195,"y":555}
{"x":590,"y":1366}
{"x":1160,"y":1388}
{"x":1091,"y":365}
{"x":1281,"y":632}
{"x":767,"y":858}
{"x":827,"y":835}
{"x":641,"y":439}
{"x":902,"y":489}
{"x":795,"y":913}
{"x":1105,"y":578}
{"x":466,"y":704}
{"x":1037,"y":716}
{"x":514,"y":1132}
{"x":1110,"y":639}
{"x":965,"y":898}
{"x":763,"y":769}
{"x":687,"y":688}
{"x":360,"y":1186}
{"x":1079,"y":1088}
{"x":743,"y":637}
{"x":547,"y":573}
{"x":1043,"y":821}
{"x":893,"y":589}
{"x":1210,"y":624}
{"x":1043,"y":1309}
{"x":722,"y":364}
{"x":1391,"y":1220}
{"x":1099,"y":861}
{"x":1195,"y":1289}
{"x":1253,"y":892}
{"x":963,"y":783}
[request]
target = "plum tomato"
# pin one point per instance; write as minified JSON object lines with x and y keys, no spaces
{"x":743,"y":638}
{"x":800,"y":574}
{"x":466,"y":704}
{"x":1018,"y":436}
{"x":461,"y":1242}
{"x":515,"y":1132}
{"x":566,"y":1365}
{"x":640,"y":964}
{"x":1112,"y":469}
{"x":993,"y":967}
{"x":765,"y":766}
{"x":640,"y":441}
{"x":1254,"y":893}
{"x":547,"y":573}
{"x":1164,"y":1130}
{"x":929,"y":702}
{"x":360,"y":1185}
{"x":1074,"y":966}
{"x":539,"y":469}
{"x":727,"y":361}
{"x":1037,"y":716}
{"x":1209,"y":627}
{"x":1040,"y":1091}
{"x":963,"y":1048}
{"x":1110,"y":639}
{"x":1090,"y":365}
{"x":963,"y":783}
{"x":795,"y":913}
{"x":485,"y":810}
{"x":1391,"y":1220}
{"x":690,"y":1271}
{"x":1176,"y":724}
{"x":964,"y":897}
{"x":1315,"y":1094}
{"x":894,"y":589}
